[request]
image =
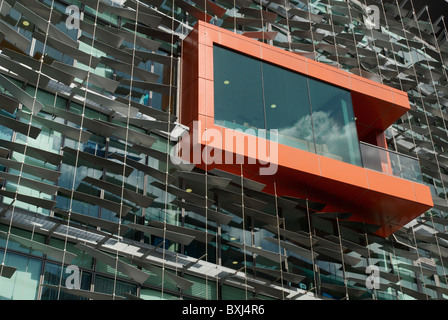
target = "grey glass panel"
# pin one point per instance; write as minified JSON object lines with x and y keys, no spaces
{"x":201,"y":236}
{"x":39,"y":202}
{"x":24,"y":284}
{"x":134,"y":273}
{"x":238,"y":90}
{"x":287,"y":107}
{"x":60,"y":255}
{"x":334,"y":123}
{"x":23,"y":97}
{"x":390,"y":162}
{"x":308,"y":114}
{"x":165,"y":275}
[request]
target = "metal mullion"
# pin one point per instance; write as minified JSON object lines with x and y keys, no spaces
{"x":423,"y":105}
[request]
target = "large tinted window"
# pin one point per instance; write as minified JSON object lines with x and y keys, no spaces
{"x":287,"y":107}
{"x":238,"y":91}
{"x":334,"y":123}
{"x":308,"y":114}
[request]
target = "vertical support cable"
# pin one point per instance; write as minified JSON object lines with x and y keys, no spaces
{"x":78,"y":149}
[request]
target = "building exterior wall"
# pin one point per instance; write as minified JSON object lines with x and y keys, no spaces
{"x":94,"y":94}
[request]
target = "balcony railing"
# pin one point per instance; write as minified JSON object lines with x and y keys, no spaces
{"x":390,"y":162}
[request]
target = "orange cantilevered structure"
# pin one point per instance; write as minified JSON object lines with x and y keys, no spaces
{"x":375,"y":197}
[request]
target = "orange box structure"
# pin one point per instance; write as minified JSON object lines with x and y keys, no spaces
{"x":373,"y":197}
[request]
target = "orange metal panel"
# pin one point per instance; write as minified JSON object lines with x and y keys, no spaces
{"x":206,"y":97}
{"x":205,"y":55}
{"x":328,"y":74}
{"x":401,"y":98}
{"x":371,"y":88}
{"x":190,"y":63}
{"x":390,"y":185}
{"x":282,"y":59}
{"x":241,"y":44}
{"x":189,"y":97}
{"x":344,"y":172}
{"x":207,"y":34}
{"x":263,"y":35}
{"x":368,"y":110}
{"x":421,"y":194}
{"x":298,"y":160}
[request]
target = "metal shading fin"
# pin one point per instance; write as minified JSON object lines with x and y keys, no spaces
{"x":95,"y":126}
{"x":201,"y":236}
{"x":190,"y":197}
{"x":65,"y":48}
{"x":294,"y":248}
{"x":201,"y":178}
{"x":129,"y":69}
{"x":248,"y":183}
{"x":96,"y":162}
{"x":7,"y":271}
{"x":211,"y":214}
{"x":295,"y":278}
{"x":254,"y":214}
{"x":147,"y":124}
{"x":30,"y":183}
{"x":167,"y":276}
{"x":60,"y":255}
{"x":22,"y":96}
{"x":361,"y":226}
{"x":153,"y":172}
{"x":106,"y":102}
{"x":113,"y":51}
{"x":87,"y":198}
{"x":86,"y":294}
{"x":273,"y":256}
{"x":105,"y":225}
{"x":236,"y":198}
{"x":19,"y":126}
{"x":164,"y":234}
{"x":353,"y":261}
{"x":303,"y":239}
{"x":312,"y":205}
{"x":15,"y":38}
{"x":38,"y":202}
{"x":68,"y":131}
{"x":135,"y":197}
{"x":149,"y":111}
{"x":132,"y":272}
{"x":8,"y":103}
{"x":43,"y":155}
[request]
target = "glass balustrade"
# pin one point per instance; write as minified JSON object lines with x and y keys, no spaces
{"x":390,"y":162}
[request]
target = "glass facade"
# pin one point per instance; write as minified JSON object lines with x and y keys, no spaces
{"x":89,"y":114}
{"x":309,"y":115}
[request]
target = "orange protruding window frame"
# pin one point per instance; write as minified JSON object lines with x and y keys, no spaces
{"x":374,"y":197}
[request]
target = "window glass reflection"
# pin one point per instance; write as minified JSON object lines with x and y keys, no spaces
{"x":24,"y":284}
{"x":238,"y":91}
{"x":334,"y":123}
{"x":309,"y":115}
{"x":287,"y":107}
